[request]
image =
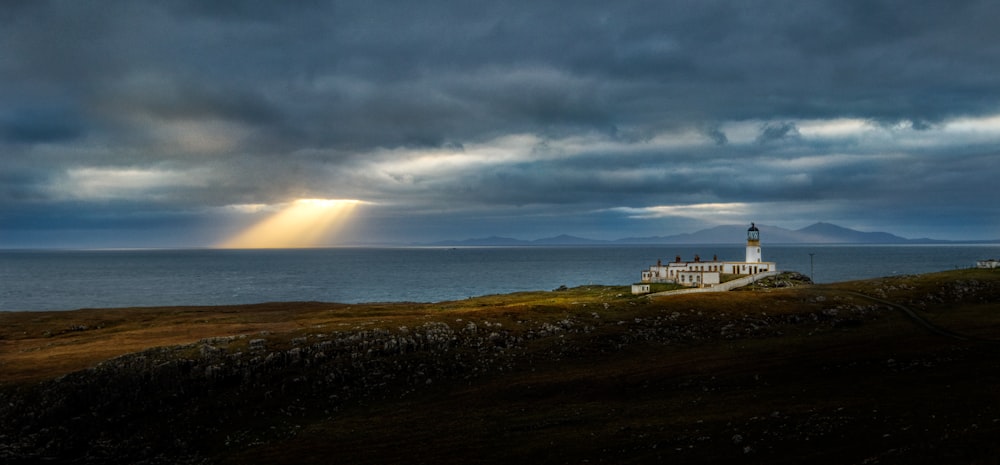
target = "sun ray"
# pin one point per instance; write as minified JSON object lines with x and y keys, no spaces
{"x":303,"y":223}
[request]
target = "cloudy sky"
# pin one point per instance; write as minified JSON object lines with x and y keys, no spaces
{"x":178,"y":123}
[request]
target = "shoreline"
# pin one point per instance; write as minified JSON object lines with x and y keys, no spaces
{"x":125,"y":279}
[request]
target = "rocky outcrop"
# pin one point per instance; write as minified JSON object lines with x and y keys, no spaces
{"x":166,"y":404}
{"x":784,"y":279}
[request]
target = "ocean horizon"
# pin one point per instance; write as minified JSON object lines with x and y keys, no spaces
{"x":46,"y":280}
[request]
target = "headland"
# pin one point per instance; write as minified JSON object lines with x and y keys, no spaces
{"x":783,"y":372}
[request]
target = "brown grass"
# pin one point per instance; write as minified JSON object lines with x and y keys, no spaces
{"x":879,"y":390}
{"x":43,"y":345}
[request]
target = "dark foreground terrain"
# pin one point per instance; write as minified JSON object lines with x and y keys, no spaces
{"x":898,"y":370}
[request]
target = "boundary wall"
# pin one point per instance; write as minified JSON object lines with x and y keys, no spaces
{"x":726,"y":286}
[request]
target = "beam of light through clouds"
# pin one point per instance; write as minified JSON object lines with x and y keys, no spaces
{"x":302,"y":223}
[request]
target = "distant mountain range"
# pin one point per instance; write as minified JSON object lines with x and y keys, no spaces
{"x":818,"y":233}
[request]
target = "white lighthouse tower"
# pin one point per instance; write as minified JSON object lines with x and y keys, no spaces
{"x":753,"y":244}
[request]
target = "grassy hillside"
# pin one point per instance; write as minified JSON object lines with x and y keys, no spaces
{"x":838,"y":373}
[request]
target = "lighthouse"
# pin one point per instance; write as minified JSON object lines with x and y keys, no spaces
{"x":753,"y":244}
{"x":702,"y":274}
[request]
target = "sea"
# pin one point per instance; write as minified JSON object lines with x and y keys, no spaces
{"x":45,"y":280}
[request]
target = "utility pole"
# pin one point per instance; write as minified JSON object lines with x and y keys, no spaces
{"x":811,"y":277}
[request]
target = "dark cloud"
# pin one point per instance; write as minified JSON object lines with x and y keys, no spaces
{"x":771,"y":132}
{"x":717,"y":135}
{"x":196,"y":101}
{"x":629,"y":104}
{"x":444,"y":71}
{"x":39,"y":125}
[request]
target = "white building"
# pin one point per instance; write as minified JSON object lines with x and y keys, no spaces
{"x":700,"y":273}
{"x":991,"y":263}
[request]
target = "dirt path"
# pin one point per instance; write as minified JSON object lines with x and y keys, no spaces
{"x":920,"y":320}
